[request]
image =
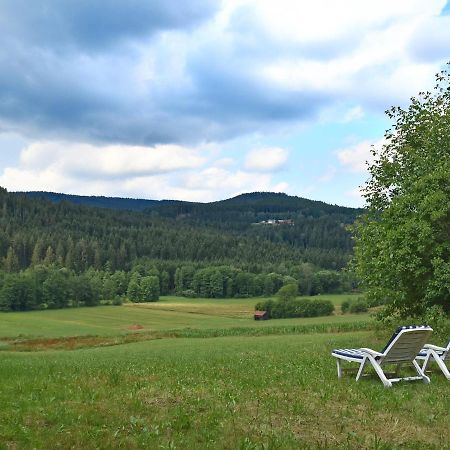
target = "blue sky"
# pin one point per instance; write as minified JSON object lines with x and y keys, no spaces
{"x":206,"y":99}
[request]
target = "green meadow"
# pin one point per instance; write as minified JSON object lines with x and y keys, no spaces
{"x":203,"y":375}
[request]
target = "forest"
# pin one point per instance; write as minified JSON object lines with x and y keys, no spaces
{"x":56,"y":254}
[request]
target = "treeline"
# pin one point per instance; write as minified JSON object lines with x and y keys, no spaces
{"x":53,"y":286}
{"x":226,"y":281}
{"x":35,"y":231}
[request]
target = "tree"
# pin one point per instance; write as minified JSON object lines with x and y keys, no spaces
{"x":402,"y":250}
{"x":84,"y":291}
{"x":149,"y":287}
{"x":134,"y":288}
{"x":56,"y":290}
{"x":11,"y":261}
{"x":17,"y":293}
{"x":287,"y":292}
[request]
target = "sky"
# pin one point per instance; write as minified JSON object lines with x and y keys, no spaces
{"x":202,"y":100}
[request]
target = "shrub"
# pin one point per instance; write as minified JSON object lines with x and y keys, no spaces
{"x":190,"y":293}
{"x":117,"y":300}
{"x":302,"y":307}
{"x":357,"y":305}
{"x":345,"y":306}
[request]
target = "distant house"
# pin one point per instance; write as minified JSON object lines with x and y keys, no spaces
{"x":275,"y":222}
{"x":261,"y":315}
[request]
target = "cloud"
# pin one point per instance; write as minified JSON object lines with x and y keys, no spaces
{"x":94,"y":25}
{"x":266,"y":159}
{"x":88,"y":161}
{"x":357,"y":157}
{"x":430,"y":40}
{"x":161,"y":172}
{"x":147,"y":72}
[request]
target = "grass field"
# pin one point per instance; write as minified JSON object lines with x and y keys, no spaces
{"x":236,"y":392}
{"x":168,"y":313}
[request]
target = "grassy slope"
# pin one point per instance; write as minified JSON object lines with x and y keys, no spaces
{"x":247,"y":392}
{"x":234,"y":392}
{"x":169,"y":313}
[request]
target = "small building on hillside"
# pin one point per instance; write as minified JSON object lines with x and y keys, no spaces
{"x":261,"y":315}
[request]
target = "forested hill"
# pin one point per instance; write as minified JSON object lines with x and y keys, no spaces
{"x":131,"y":204}
{"x":239,"y":231}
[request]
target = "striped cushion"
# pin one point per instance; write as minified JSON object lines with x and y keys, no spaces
{"x":423,"y":352}
{"x":350,"y":353}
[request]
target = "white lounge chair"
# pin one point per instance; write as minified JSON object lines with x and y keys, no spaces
{"x":402,"y":348}
{"x":439,"y":354}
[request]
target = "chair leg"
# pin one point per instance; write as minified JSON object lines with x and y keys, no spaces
{"x":421,"y":372}
{"x":425,"y":363}
{"x":361,"y":369}
{"x":379,"y":372}
{"x":441,"y":364}
{"x":339,"y":369}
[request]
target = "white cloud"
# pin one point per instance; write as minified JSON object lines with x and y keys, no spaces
{"x":216,"y":182}
{"x":161,"y":172}
{"x":374,"y":68}
{"x":356,"y":157}
{"x":121,"y":161}
{"x":224,"y":162}
{"x":266,"y":159}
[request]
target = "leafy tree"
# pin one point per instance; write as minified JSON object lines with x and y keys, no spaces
{"x":120,"y":280}
{"x":85,"y":291}
{"x":287,"y":292}
{"x":402,"y":241}
{"x":17,"y":293}
{"x":149,"y":288}
{"x":134,"y":288}
{"x":56,"y":289}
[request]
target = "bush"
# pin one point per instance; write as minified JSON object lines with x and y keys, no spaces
{"x":302,"y":307}
{"x":357,"y":305}
{"x":372,"y":302}
{"x":345,"y":307}
{"x":190,"y":293}
{"x":117,"y":300}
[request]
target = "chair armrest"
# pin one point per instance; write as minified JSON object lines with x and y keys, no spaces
{"x":371,"y":352}
{"x":434,"y":347}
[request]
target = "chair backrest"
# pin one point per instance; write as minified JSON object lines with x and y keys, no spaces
{"x":406,"y":343}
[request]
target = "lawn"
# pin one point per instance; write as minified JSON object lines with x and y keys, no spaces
{"x":203,"y":375}
{"x":249,"y":393}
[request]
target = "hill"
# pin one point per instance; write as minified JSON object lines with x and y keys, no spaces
{"x":130,"y":204}
{"x":243,"y":231}
{"x":279,"y":218}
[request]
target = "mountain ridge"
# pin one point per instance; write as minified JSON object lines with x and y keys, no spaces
{"x":141,"y":204}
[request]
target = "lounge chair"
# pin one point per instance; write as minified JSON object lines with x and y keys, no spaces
{"x":439,"y":354}
{"x":402,"y":348}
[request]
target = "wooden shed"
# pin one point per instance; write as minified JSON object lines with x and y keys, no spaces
{"x":261,"y":315}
